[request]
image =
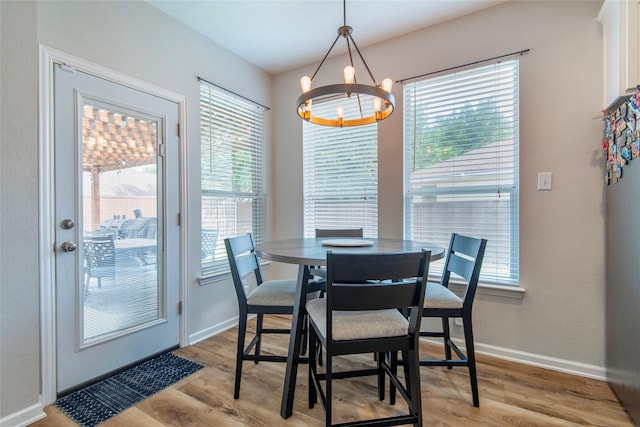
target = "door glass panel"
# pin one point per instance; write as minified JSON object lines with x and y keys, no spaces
{"x":121,"y":288}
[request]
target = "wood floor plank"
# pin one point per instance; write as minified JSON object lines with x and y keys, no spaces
{"x":511,"y":394}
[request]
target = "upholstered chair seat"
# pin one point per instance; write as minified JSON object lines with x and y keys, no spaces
{"x":438,"y":296}
{"x":273,"y":292}
{"x":352,"y":325}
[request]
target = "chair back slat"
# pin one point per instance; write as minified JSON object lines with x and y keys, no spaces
{"x":339,"y":232}
{"x":374,"y":296}
{"x":464,"y":258}
{"x":463,"y":267}
{"x":354,"y":281}
{"x":242,"y":261}
{"x":240,"y":244}
{"x":246,"y":263}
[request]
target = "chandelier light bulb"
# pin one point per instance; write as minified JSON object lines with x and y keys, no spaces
{"x":365,"y":94}
{"x":305,"y":83}
{"x":349,"y":74}
{"x":377,"y":104}
{"x":387,"y":84}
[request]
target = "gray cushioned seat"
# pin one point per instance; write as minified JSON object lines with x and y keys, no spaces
{"x":438,"y":296}
{"x":273,"y":292}
{"x":351,"y":325}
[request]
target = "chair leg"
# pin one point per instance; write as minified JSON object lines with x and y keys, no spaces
{"x":407,"y":371}
{"x":305,"y":335}
{"x":393,"y":364}
{"x":327,"y":390}
{"x":381,"y":375}
{"x":313,"y":393}
{"x":447,"y":336}
{"x":471,"y":359}
{"x":259,"y":322}
{"x":242,"y":331}
{"x":412,"y":363}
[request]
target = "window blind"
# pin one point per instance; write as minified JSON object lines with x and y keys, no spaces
{"x":233,"y":173}
{"x":461,"y":163}
{"x":340,"y":174}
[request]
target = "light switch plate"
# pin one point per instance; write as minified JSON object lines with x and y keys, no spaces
{"x":544,"y":181}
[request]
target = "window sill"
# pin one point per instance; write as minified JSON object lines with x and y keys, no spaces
{"x":211,"y":278}
{"x":214,"y":278}
{"x":504,"y":291}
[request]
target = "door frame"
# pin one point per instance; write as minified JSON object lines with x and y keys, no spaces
{"x":48,"y":57}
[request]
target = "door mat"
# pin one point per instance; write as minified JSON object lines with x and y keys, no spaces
{"x":100,"y":401}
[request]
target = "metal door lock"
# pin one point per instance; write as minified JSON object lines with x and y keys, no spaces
{"x":69,"y":246}
{"x":68,"y":224}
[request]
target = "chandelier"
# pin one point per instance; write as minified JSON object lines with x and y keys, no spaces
{"x":374,"y":102}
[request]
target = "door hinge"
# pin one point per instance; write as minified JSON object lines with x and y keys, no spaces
{"x":180,"y":307}
{"x":179,"y":219}
{"x":178,"y":126}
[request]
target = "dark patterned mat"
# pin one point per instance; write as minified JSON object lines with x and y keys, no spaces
{"x":100,"y":401}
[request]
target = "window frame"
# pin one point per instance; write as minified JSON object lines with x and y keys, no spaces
{"x":223,"y":112}
{"x":355,"y":159}
{"x":499,"y":189}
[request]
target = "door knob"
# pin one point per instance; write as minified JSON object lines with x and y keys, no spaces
{"x":69,"y":246}
{"x":68,"y":224}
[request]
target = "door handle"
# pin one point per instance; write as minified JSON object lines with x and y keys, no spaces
{"x":69,"y":246}
{"x":68,"y":224}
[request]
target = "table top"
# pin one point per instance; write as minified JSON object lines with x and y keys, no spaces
{"x":311,"y":251}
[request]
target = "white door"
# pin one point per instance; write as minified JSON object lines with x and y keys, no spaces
{"x":117,"y":232}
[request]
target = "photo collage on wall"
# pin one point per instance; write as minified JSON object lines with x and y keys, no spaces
{"x":621,"y":142}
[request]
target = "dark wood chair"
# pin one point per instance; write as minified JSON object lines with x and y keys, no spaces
{"x":464,"y":259}
{"x":320,"y":273}
{"x":362,"y":314}
{"x":99,"y":259}
{"x":269,"y":297}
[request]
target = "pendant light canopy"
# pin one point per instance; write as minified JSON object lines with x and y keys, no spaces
{"x":373,"y":102}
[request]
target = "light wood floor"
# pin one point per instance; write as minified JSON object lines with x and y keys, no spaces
{"x":511,"y":394}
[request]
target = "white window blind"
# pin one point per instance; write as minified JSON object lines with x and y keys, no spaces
{"x":233,"y":173}
{"x":340,"y":175}
{"x":461,"y":163}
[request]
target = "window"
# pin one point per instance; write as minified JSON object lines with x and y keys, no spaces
{"x":461,"y":163}
{"x":340,"y":176}
{"x":233,"y":178}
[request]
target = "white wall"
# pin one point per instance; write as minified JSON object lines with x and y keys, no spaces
{"x":133,"y":38}
{"x":562,"y":267}
{"x":560,"y":320}
{"x":19,"y":320}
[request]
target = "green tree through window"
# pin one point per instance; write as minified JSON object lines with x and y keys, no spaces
{"x":474,"y":125}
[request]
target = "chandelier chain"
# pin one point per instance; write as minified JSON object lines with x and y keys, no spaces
{"x":325,"y":57}
{"x":378,"y":99}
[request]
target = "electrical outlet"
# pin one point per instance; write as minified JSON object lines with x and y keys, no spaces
{"x":457,"y":322}
{"x":544,"y":181}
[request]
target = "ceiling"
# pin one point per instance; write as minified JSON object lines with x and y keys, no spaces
{"x":278,"y":35}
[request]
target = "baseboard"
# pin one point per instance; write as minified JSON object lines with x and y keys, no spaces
{"x":24,"y":417}
{"x":538,"y":360}
{"x":541,"y":361}
{"x":211,"y":331}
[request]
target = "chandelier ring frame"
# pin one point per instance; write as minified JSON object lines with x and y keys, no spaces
{"x":340,"y":90}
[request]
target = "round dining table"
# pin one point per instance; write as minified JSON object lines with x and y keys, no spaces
{"x":307,"y":252}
